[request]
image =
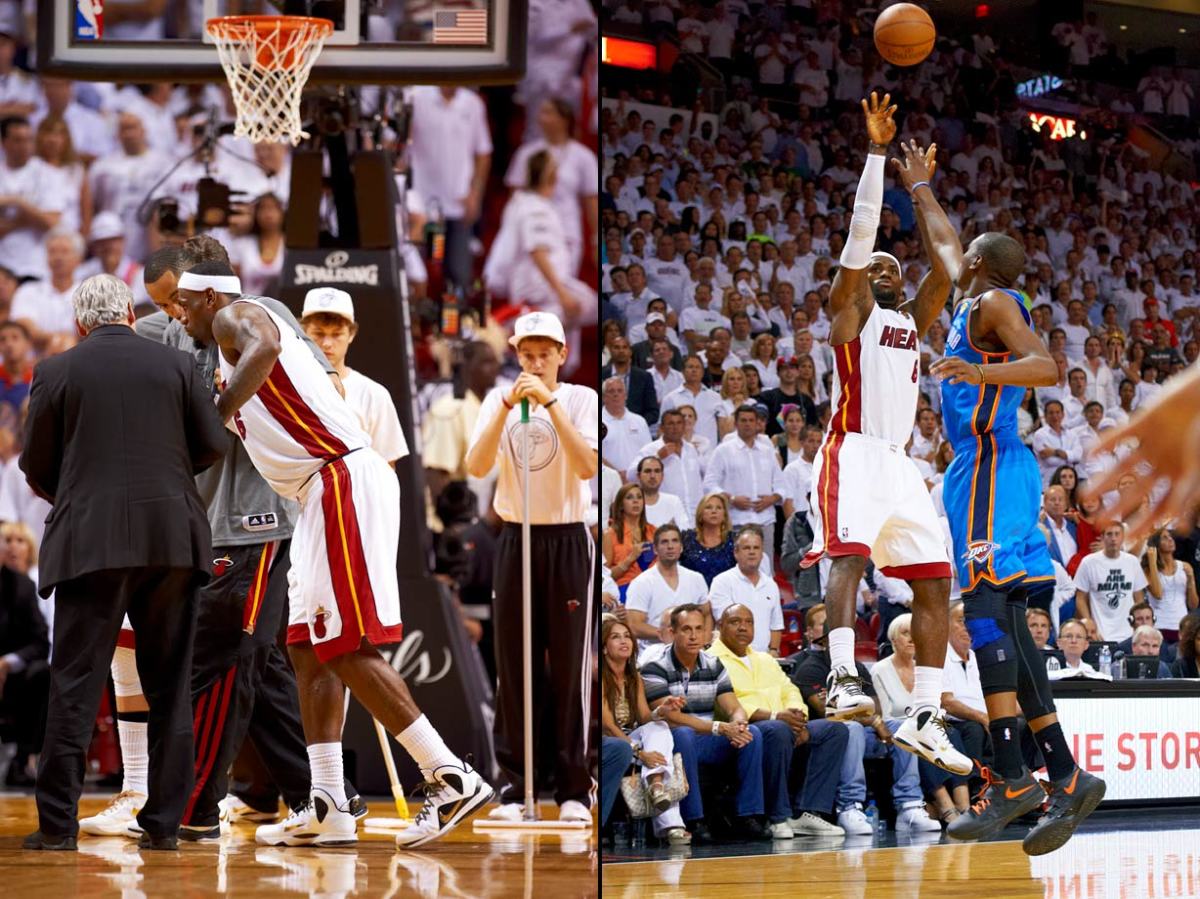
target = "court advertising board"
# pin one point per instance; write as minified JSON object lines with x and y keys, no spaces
{"x":1143,"y":747}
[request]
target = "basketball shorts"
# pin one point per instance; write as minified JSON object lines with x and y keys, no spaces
{"x":992,"y":494}
{"x":342,"y":586}
{"x":869,"y":499}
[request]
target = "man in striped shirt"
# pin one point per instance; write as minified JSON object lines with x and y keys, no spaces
{"x":700,"y":678}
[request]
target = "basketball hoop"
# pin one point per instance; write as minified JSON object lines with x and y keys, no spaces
{"x":267,"y":60}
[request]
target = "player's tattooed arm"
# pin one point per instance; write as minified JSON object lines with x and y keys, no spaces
{"x":1000,"y":318}
{"x":249,"y":339}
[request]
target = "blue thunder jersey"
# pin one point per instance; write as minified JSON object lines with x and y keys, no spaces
{"x":995,"y":542}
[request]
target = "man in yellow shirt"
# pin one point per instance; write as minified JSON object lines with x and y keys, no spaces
{"x":774,"y":703}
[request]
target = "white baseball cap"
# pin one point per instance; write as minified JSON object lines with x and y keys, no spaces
{"x":538,"y":324}
{"x":329,"y":300}
{"x":105,"y":226}
{"x":655,"y":317}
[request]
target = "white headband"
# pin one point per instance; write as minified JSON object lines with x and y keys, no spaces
{"x":876,"y":253}
{"x":220,"y":283}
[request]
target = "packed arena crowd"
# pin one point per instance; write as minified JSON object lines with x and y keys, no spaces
{"x":723,"y":223}
{"x":97,"y":177}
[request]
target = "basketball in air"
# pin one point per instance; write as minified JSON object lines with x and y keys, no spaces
{"x":904,"y":34}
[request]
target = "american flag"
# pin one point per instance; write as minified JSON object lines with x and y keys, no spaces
{"x":468,"y":26}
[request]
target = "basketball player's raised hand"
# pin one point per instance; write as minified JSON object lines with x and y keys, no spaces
{"x":881,"y":127}
{"x":1164,"y":438}
{"x":917,"y":165}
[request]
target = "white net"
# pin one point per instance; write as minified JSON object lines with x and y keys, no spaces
{"x":267,"y":60}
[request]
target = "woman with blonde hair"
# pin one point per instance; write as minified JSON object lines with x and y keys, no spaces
{"x":762,"y":357}
{"x":809,"y":384}
{"x":627,"y":543}
{"x":627,"y":716}
{"x":708,"y":547}
{"x":893,"y":679}
{"x":733,"y":394}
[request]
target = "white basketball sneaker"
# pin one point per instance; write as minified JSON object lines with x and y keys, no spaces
{"x":845,"y":698}
{"x":319,"y":822}
{"x":119,"y":819}
{"x":452,"y":794}
{"x":924,"y":733}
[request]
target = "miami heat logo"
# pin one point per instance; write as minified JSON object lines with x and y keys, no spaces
{"x":979,"y":550}
{"x":318,"y":622}
{"x":543,"y":443}
{"x":221,"y":565}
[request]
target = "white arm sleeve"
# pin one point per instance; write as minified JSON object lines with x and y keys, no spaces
{"x":856,"y":254}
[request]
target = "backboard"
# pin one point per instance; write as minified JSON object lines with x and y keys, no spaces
{"x":374,"y":42}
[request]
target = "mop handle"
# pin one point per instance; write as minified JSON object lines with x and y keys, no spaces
{"x":527,"y":616}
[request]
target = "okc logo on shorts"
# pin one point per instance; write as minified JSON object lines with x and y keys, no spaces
{"x":979,"y":550}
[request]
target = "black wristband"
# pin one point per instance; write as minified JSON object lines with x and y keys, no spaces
{"x":553,"y":400}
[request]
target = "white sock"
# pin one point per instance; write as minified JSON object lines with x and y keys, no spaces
{"x":425,"y":745}
{"x":841,"y":648}
{"x":325,"y":763}
{"x":135,"y":755}
{"x":927,"y":686}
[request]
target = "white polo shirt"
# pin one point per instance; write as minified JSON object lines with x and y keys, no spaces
{"x":762,"y":599}
{"x":557,"y":494}
{"x":626,"y":435}
{"x":962,"y":680}
{"x":446,"y":138}
{"x":373,"y":405}
{"x":649,"y":593}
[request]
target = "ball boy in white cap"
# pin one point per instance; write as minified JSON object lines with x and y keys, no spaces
{"x":328,"y":320}
{"x":563,"y":443}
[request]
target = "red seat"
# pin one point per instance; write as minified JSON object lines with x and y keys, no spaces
{"x":862,"y":630}
{"x":866,"y":651}
{"x":792,"y":641}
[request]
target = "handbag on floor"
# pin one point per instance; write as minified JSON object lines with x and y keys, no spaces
{"x":636,"y":792}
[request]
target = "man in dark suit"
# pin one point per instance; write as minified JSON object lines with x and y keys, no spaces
{"x":117,"y":429}
{"x":639,"y":385}
{"x":24,"y":676}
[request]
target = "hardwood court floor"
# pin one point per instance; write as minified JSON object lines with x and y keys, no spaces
{"x":1108,"y":862}
{"x":464,"y":865}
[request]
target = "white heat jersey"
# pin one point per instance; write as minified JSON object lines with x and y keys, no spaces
{"x":875,"y":382}
{"x":296,"y":422}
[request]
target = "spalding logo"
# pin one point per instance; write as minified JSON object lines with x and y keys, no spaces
{"x":980,"y":550}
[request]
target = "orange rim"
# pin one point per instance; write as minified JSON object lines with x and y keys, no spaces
{"x":223,"y":25}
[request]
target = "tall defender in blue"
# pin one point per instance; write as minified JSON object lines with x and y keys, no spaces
{"x":992,"y":492}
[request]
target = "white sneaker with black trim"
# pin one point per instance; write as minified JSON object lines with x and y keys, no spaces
{"x":924,"y":733}
{"x":845,"y":698}
{"x":119,"y":819}
{"x":452,"y":794}
{"x":319,"y":822}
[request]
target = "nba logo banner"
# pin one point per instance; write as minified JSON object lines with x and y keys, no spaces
{"x":89,"y":20}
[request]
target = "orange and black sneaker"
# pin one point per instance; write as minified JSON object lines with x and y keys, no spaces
{"x":999,"y":803}
{"x":1071,"y":800}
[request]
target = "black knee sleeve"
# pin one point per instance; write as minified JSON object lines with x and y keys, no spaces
{"x":985,"y":614}
{"x":1033,"y":684}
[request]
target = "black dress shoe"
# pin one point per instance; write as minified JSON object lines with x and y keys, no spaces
{"x":46,"y":843}
{"x":750,"y":829}
{"x":146,"y":841}
{"x":701,"y":835}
